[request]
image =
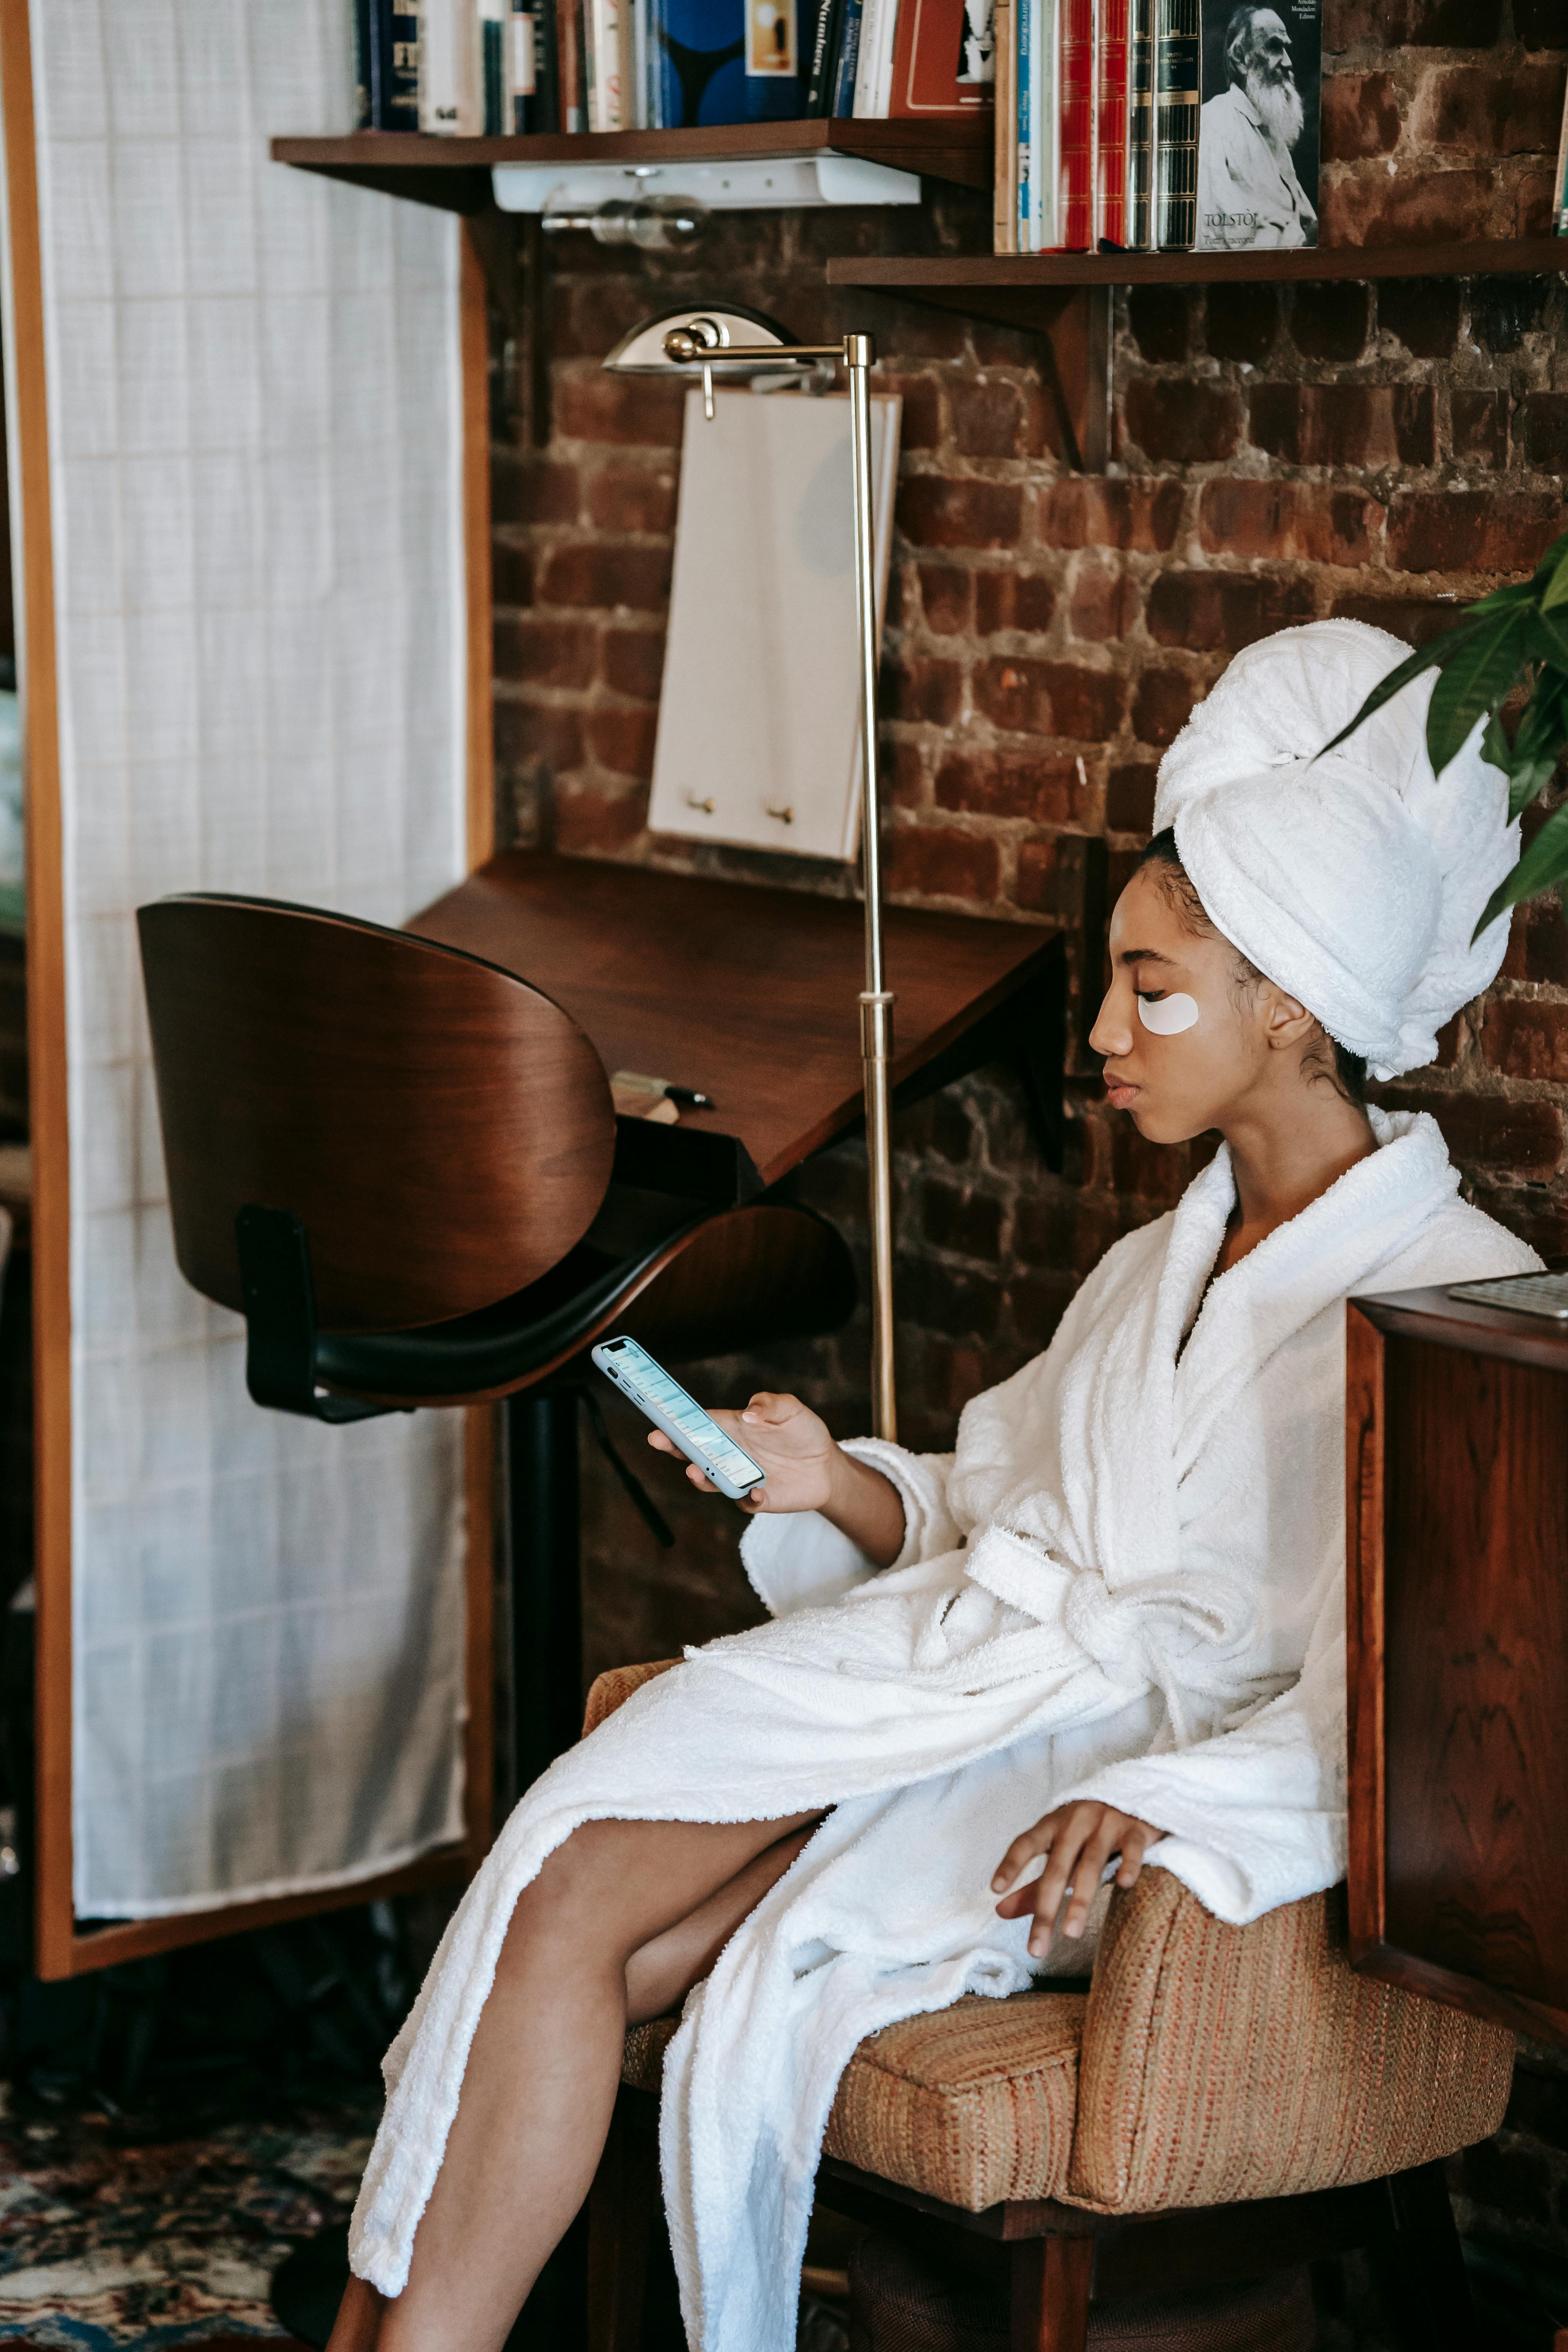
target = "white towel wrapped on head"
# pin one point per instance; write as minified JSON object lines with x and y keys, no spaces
{"x":1354,"y":879}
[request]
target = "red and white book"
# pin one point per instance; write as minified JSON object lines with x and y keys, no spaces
{"x":1111,"y":125}
{"x":943,"y":59}
{"x":1075,"y":109}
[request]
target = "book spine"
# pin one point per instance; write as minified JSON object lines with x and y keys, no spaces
{"x":1140,"y":121}
{"x":848,"y":60}
{"x":821,"y":61}
{"x":493,"y":16}
{"x":450,"y":85}
{"x":605,"y":66}
{"x":588,"y":52}
{"x":568,"y":53}
{"x":525,"y":108}
{"x":391,"y":56}
{"x":367,"y":72}
{"x":1178,"y":61}
{"x":1045,"y":127}
{"x":1560,"y":206}
{"x":1076,"y":118}
{"x":1003,"y":210}
{"x":870,"y":17}
{"x":1111,"y":144}
{"x":886,"y":33}
{"x":1025,"y":24}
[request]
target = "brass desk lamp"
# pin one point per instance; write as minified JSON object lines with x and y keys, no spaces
{"x":729,"y":337}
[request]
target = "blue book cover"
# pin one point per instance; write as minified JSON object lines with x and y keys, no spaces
{"x":699,"y":61}
{"x":848,"y":60}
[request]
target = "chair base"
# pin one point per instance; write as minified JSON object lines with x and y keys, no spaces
{"x":1056,"y":2260}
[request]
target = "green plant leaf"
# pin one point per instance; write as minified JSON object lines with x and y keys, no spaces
{"x":1543,"y":863}
{"x":1475,"y":680}
{"x":1496,"y":747}
{"x":1552,"y":568}
{"x":1434,"y":656}
{"x":1549,"y":638}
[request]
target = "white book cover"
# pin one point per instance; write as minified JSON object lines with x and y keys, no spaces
{"x":608,"y":99}
{"x":882,"y":91}
{"x":451,"y":70}
{"x":871,"y":16}
{"x":759,"y":717}
{"x":1045,"y":135}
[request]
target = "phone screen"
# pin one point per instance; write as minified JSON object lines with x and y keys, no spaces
{"x":648,"y":1384}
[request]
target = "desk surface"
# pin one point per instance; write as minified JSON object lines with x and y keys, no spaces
{"x":747,"y":994}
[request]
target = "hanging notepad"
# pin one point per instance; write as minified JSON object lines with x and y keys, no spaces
{"x":759,"y":719}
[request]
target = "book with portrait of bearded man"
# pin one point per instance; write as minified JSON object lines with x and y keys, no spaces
{"x":1258,"y":126}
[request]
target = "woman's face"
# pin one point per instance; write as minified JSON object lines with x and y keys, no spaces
{"x":1182,"y":1043}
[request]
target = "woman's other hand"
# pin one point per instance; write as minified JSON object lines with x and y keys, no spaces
{"x":805,"y":1469}
{"x":1077,"y":1841}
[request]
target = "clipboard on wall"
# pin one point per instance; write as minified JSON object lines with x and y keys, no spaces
{"x":758,"y":737}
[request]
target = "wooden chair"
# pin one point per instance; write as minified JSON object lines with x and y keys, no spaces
{"x":395,"y":1160}
{"x":1220,"y":2101}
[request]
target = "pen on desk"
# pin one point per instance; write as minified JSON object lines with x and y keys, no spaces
{"x":637,"y":1082}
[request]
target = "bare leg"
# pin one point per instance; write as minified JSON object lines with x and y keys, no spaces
{"x":541,"y":2080}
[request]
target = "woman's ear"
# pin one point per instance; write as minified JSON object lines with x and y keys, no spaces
{"x":1286,"y":1020}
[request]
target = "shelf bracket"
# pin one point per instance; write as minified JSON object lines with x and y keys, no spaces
{"x":1072,"y":328}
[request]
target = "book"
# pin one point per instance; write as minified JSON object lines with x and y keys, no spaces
{"x":530,"y":67}
{"x":775,"y":87}
{"x":604,"y":24}
{"x":364,"y":36}
{"x":848,"y":61}
{"x":821,"y":61}
{"x":699,"y":61}
{"x":874,"y":69}
{"x":1178,"y":69}
{"x":1560,"y":186}
{"x":1140,"y":123}
{"x":571,"y":100}
{"x":1111,"y":126}
{"x":492,"y":64}
{"x":944,"y":58}
{"x":386,"y":66}
{"x":1043,"y":18}
{"x":1074,"y":110}
{"x":1004,"y":210}
{"x":1257,"y":128}
{"x":451,"y":82}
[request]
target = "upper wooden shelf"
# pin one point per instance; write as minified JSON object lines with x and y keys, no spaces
{"x":454,"y":174}
{"x":1027,"y":290}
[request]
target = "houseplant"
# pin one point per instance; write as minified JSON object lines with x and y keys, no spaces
{"x":1516,"y":637}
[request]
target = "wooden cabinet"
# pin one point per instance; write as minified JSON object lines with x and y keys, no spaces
{"x":1457,"y":1496}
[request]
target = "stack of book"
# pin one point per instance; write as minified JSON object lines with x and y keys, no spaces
{"x":472,"y":68}
{"x":1140,"y":125}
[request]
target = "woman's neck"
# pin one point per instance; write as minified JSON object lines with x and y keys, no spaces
{"x":1283,"y":1164}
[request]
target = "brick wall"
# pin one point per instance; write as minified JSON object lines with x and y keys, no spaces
{"x":1284,"y":454}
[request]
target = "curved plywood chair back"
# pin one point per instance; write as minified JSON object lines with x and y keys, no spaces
{"x":442,"y":1129}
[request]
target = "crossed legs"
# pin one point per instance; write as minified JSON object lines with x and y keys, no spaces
{"x":621,"y":1922}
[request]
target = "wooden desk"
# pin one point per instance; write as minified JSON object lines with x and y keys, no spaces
{"x":1457,"y":1496}
{"x":749,"y":995}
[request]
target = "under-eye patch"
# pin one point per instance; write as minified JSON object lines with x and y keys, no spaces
{"x":1170,"y":1016}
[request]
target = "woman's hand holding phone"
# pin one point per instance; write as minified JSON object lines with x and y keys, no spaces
{"x":805,"y":1469}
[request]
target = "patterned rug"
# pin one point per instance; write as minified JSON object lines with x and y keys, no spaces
{"x":108,"y":2240}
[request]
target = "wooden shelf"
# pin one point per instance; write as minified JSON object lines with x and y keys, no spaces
{"x":454,"y":174}
{"x":1029,"y":290}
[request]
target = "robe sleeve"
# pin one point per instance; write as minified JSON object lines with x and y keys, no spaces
{"x":796,"y":1559}
{"x":1256,"y":1816}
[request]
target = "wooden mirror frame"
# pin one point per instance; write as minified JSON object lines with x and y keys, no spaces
{"x":61,"y":1948}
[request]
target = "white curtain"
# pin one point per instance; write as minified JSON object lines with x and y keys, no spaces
{"x":254,"y":448}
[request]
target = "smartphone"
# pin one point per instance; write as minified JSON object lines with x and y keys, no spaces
{"x":682,"y":1418}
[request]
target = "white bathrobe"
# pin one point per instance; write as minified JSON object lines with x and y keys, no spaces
{"x":1126,"y":1583}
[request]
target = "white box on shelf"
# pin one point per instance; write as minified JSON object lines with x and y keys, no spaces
{"x":751,"y":184}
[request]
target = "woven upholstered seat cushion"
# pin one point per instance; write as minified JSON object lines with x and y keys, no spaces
{"x":1222,"y":2063}
{"x":974,"y":2105}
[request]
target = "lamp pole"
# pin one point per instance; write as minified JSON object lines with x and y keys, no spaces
{"x":698,"y":343}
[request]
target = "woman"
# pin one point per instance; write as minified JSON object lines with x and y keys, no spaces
{"x":1115,"y":1613}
